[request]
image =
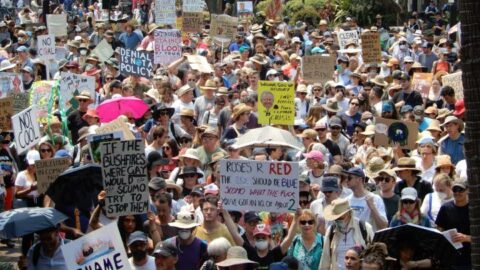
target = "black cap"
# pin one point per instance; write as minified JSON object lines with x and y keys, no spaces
{"x":166,"y":249}
{"x":251,"y":216}
{"x":154,"y":159}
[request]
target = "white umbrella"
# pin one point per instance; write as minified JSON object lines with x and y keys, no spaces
{"x":268,"y":136}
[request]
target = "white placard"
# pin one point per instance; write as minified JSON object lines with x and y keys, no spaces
{"x":46,"y":47}
{"x":165,"y":12}
{"x":72,"y":84}
{"x":167,"y":46}
{"x":193,"y":5}
{"x":346,"y":37}
{"x":57,"y":24}
{"x":26,"y":129}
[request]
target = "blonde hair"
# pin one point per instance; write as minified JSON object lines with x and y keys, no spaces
{"x":443,"y":179}
{"x":308,"y":212}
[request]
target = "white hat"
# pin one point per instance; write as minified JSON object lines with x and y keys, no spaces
{"x":279,"y":36}
{"x":409,"y":193}
{"x":32,"y":156}
{"x":185,"y":220}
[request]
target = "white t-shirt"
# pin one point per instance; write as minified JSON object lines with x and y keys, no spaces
{"x":362,"y":211}
{"x":22,"y":181}
{"x":149,"y":265}
{"x":431,"y":205}
{"x":461,"y":168}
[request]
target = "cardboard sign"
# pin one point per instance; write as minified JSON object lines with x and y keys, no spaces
{"x":199,"y":63}
{"x":116,"y":125}
{"x":165,"y":12}
{"x":192,"y":22}
{"x":245,"y":10}
{"x":100,"y":249}
{"x":124,"y":170}
{"x":57,"y":24}
{"x":48,"y":170}
{"x":193,"y":6}
{"x":40,"y":96}
{"x":389,"y":132}
{"x":72,"y":84}
{"x":371,"y":48}
{"x":455,"y":81}
{"x":103,"y":50}
{"x":276,"y":103}
{"x":46,"y":47}
{"x":95,"y":140}
{"x":223,"y":26}
{"x":10,"y":83}
{"x":136,"y":63}
{"x":422,"y":82}
{"x":26,"y":129}
{"x":6,"y":112}
{"x":21,"y":101}
{"x":248,"y":185}
{"x":318,"y":68}
{"x":346,"y":37}
{"x":167,"y":46}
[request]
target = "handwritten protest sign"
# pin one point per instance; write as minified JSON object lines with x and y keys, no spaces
{"x":101,"y":249}
{"x":57,"y":24}
{"x":124,"y":170}
{"x":167,"y":46}
{"x":346,"y":37}
{"x":72,"y":84}
{"x":48,"y":170}
{"x":103,"y":50}
{"x":389,"y":132}
{"x":10,"y":83}
{"x":318,"y":68}
{"x":259,"y":185}
{"x":95,"y":140}
{"x":223,"y":26}
{"x":136,"y":63}
{"x":276,"y":103}
{"x":40,"y":96}
{"x":46,"y":47}
{"x":21,"y":101}
{"x":245,"y":10}
{"x":6,"y":112}
{"x":455,"y":81}
{"x":26,"y":129}
{"x":116,"y":125}
{"x":199,"y":63}
{"x":371,"y":48}
{"x":165,"y":12}
{"x":192,"y":22}
{"x":422,"y":82}
{"x":193,"y":6}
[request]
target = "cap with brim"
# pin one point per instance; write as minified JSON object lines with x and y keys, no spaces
{"x":330,"y":184}
{"x":166,"y":249}
{"x":336,"y":209}
{"x":409,"y":193}
{"x":236,"y":256}
{"x":172,"y":185}
{"x":262,"y":229}
{"x":308,"y":133}
{"x":388,"y":172}
{"x":210,"y":132}
{"x":184,"y":220}
{"x":190,"y":153}
{"x":443,"y":161}
{"x":380,"y":81}
{"x":84,"y":95}
{"x":452,"y":119}
{"x":162,"y":108}
{"x":461,"y":182}
{"x":137,"y":236}
{"x":183,"y":90}
{"x":6,"y":65}
{"x":157,"y":183}
{"x":251,"y":216}
{"x":434,"y":126}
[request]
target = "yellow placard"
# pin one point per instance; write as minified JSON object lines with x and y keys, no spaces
{"x":276,"y":103}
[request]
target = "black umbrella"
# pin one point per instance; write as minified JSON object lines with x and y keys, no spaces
{"x":426,"y":241}
{"x":77,"y":186}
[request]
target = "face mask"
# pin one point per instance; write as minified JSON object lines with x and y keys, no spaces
{"x":276,"y":79}
{"x":261,"y":244}
{"x":192,"y":84}
{"x":139,"y":254}
{"x":442,"y":196}
{"x":403,"y":47}
{"x":83,"y":52}
{"x":373,"y":73}
{"x":184,"y":235}
{"x":340,"y":225}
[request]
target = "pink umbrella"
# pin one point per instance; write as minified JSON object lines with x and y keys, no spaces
{"x":131,"y":106}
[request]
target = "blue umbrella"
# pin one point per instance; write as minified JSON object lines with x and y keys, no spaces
{"x":22,"y":221}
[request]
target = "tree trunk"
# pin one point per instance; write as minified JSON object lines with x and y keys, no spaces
{"x":470,"y":57}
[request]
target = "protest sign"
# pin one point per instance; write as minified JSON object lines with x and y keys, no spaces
{"x":248,"y":185}
{"x":103,"y":50}
{"x":124,"y":170}
{"x":40,"y":96}
{"x":26,"y":129}
{"x":318,"y":68}
{"x":276,"y":103}
{"x":135,"y":63}
{"x":455,"y":81}
{"x":57,"y":24}
{"x":94,"y":141}
{"x":101,"y":249}
{"x":389,"y":132}
{"x":422,"y":82}
{"x":46,"y":47}
{"x":223,"y":26}
{"x":192,"y":6}
{"x":10,"y":83}
{"x":72,"y":84}
{"x":20,"y":102}
{"x":165,"y":12}
{"x":167,"y":46}
{"x":245,"y":10}
{"x":47,"y":170}
{"x":6,"y":112}
{"x":199,"y":63}
{"x":60,"y":53}
{"x":192,"y":22}
{"x":371,"y":48}
{"x":346,"y":37}
{"x":116,"y":125}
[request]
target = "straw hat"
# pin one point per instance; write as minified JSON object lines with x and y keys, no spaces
{"x":186,"y":112}
{"x":434,"y":126}
{"x":152,"y":27}
{"x":259,"y":59}
{"x":239,"y":109}
{"x":444,"y":160}
{"x":183,"y":90}
{"x":84,"y":95}
{"x":308,"y":133}
{"x":190,"y":153}
{"x":331,"y":105}
{"x":153,"y":93}
{"x":236,"y":255}
{"x":209,"y":85}
{"x":336,"y":209}
{"x":380,"y":81}
{"x":406,"y":164}
{"x":302,"y":88}
{"x":442,"y":113}
{"x":185,"y":220}
{"x":374,"y":165}
{"x":369,"y":131}
{"x":171,"y":184}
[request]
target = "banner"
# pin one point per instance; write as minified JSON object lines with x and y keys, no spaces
{"x":389,"y":132}
{"x":167,"y":46}
{"x":193,"y":6}
{"x":46,"y":47}
{"x":61,"y":53}
{"x":10,"y":83}
{"x":48,"y":170}
{"x":57,"y":24}
{"x":39,"y":96}
{"x":421,"y":82}
{"x":455,"y":81}
{"x":346,"y":37}
{"x":371,"y":48}
{"x":192,"y":22}
{"x":101,"y":249}
{"x":72,"y":84}
{"x":276,"y":103}
{"x":165,"y":12}
{"x":223,"y":26}
{"x":103,"y":50}
{"x":199,"y":63}
{"x":136,"y":63}
{"x":248,"y":185}
{"x":245,"y":10}
{"x":6,"y":112}
{"x":116,"y":125}
{"x":26,"y":129}
{"x":124,"y":170}
{"x":318,"y":68}
{"x":21,"y":101}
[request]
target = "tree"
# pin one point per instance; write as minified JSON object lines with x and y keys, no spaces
{"x":470,"y":57}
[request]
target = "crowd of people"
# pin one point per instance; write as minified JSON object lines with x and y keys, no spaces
{"x":350,"y":187}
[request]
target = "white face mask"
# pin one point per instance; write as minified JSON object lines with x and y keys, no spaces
{"x":442,"y":196}
{"x":83,"y":52}
{"x":276,"y":79}
{"x":261,"y":244}
{"x":192,"y":84}
{"x":184,"y":235}
{"x":403,"y":47}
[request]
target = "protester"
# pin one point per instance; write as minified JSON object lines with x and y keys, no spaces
{"x":409,"y":210}
{"x":47,"y":253}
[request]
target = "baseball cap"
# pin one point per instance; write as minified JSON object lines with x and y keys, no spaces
{"x":460,"y":182}
{"x":262,"y":229}
{"x":32,"y":156}
{"x":211,"y":189}
{"x":355,"y":171}
{"x":166,"y":249}
{"x":62,"y":153}
{"x":137,"y":236}
{"x":409,"y":193}
{"x":157,"y":183}
{"x":418,"y":112}
{"x":405,"y":109}
{"x":315,"y":155}
{"x":251,"y":216}
{"x":330,"y":183}
{"x":22,"y":49}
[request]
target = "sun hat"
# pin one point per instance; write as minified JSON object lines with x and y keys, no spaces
{"x":434,"y":126}
{"x":336,"y":209}
{"x":186,"y":112}
{"x":185,"y":220}
{"x":162,"y":108}
{"x":171,"y":184}
{"x":157,"y":183}
{"x":166,"y":249}
{"x":409,"y":193}
{"x":380,"y":81}
{"x":442,"y":113}
{"x":308,"y":133}
{"x":388,"y":172}
{"x":369,"y":130}
{"x":374,"y":165}
{"x":259,"y":59}
{"x":84,"y":95}
{"x":302,"y":88}
{"x":331,"y":105}
{"x":239,"y":109}
{"x":444,"y":160}
{"x":315,"y":155}
{"x":453,"y":119}
{"x":6,"y":64}
{"x":236,"y":255}
{"x":406,"y":164}
{"x":431,"y":110}
{"x":459,"y":108}
{"x":190,"y":153}
{"x":330,"y":183}
{"x":183,"y":90}
{"x":210,"y":131}
{"x":209,"y":85}
{"x":32,"y":156}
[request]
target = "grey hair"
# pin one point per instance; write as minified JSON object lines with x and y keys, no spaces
{"x":218,"y":247}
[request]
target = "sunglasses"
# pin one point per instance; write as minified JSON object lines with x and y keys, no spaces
{"x":408,"y":201}
{"x":166,"y":147}
{"x":335,"y":127}
{"x":189,"y":175}
{"x":83,"y":100}
{"x":305,"y":222}
{"x":108,"y":78}
{"x":321,"y":129}
{"x":458,"y":190}
{"x":383,"y":179}
{"x":304,"y":202}
{"x":164,"y":113}
{"x":45,"y":150}
{"x":302,"y":93}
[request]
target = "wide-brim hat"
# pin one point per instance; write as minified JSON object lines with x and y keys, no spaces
{"x":336,"y":209}
{"x":380,"y":81}
{"x":453,"y":119}
{"x":444,"y":160}
{"x":209,"y":85}
{"x":239,"y":109}
{"x":406,"y":164}
{"x":171,"y":184}
{"x":153,"y":93}
{"x":184,"y":220}
{"x":369,"y":130}
{"x":190,"y":153}
{"x":152,"y":27}
{"x":374,"y":165}
{"x":183,"y":90}
{"x":236,"y":255}
{"x":434,"y":126}
{"x":73,"y":43}
{"x":331,"y":106}
{"x":92,"y":72}
{"x":84,"y":95}
{"x":186,"y":112}
{"x":161,"y":107}
{"x":261,"y":60}
{"x":6,"y":64}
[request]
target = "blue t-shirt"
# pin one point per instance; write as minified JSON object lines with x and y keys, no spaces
{"x":190,"y":257}
{"x":454,"y":148}
{"x":350,"y":121}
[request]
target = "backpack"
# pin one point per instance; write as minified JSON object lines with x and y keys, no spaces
{"x":363,"y":231}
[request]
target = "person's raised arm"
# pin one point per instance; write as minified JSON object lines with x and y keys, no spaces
{"x":94,"y":218}
{"x":292,"y":231}
{"x":172,"y":68}
{"x":232,"y":228}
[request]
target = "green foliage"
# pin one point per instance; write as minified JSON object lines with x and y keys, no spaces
{"x":308,"y":14}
